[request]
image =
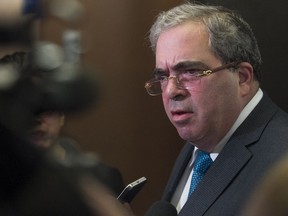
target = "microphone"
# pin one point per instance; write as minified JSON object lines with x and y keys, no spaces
{"x":161,"y":208}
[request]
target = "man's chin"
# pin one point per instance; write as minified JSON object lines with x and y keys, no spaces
{"x":184,"y":133}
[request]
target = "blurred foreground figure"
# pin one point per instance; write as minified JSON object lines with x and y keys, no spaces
{"x":46,"y":135}
{"x":33,"y":181}
{"x":271,"y":196}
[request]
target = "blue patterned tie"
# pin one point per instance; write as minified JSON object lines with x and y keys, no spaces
{"x":201,"y":165}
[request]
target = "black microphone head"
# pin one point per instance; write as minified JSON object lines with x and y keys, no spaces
{"x":161,"y":208}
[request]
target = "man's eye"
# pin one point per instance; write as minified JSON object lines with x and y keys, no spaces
{"x":191,"y":72}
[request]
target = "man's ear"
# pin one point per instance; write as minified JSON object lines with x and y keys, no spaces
{"x":246,"y":77}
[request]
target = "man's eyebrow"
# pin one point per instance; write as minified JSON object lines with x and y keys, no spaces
{"x":159,"y":71}
{"x":184,"y":65}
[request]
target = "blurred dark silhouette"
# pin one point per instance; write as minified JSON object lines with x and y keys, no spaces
{"x":35,"y":182}
{"x":271,"y":196}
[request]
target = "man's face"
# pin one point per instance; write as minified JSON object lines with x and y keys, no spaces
{"x":47,"y":129}
{"x":204,"y":114}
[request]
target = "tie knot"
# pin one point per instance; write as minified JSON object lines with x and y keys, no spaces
{"x":202,"y":162}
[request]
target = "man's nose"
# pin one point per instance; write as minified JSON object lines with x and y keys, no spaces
{"x":173,"y":87}
{"x":172,"y":83}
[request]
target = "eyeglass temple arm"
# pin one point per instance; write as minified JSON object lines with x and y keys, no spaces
{"x":229,"y":65}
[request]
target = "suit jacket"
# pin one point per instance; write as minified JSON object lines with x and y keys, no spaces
{"x":255,"y":146}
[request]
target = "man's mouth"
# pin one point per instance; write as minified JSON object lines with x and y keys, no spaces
{"x":180,"y":116}
{"x":178,"y":112}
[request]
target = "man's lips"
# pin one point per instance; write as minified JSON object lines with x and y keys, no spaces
{"x":180,"y":115}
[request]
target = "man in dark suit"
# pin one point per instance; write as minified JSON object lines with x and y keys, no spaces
{"x":208,"y":73}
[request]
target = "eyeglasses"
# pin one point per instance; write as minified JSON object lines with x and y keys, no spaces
{"x":186,"y":79}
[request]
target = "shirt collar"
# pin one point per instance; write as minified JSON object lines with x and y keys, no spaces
{"x":243,"y":115}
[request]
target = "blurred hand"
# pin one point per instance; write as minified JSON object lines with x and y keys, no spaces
{"x":102,"y":201}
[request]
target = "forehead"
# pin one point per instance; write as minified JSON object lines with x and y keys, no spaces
{"x":186,"y":42}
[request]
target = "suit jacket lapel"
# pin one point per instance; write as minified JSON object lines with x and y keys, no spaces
{"x":177,"y":171}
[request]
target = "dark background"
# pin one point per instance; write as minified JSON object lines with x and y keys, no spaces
{"x":127,"y":128}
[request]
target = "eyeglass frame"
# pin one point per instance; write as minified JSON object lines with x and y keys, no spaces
{"x":200,"y":74}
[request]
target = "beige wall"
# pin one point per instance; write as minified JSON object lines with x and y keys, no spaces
{"x":127,"y":128}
